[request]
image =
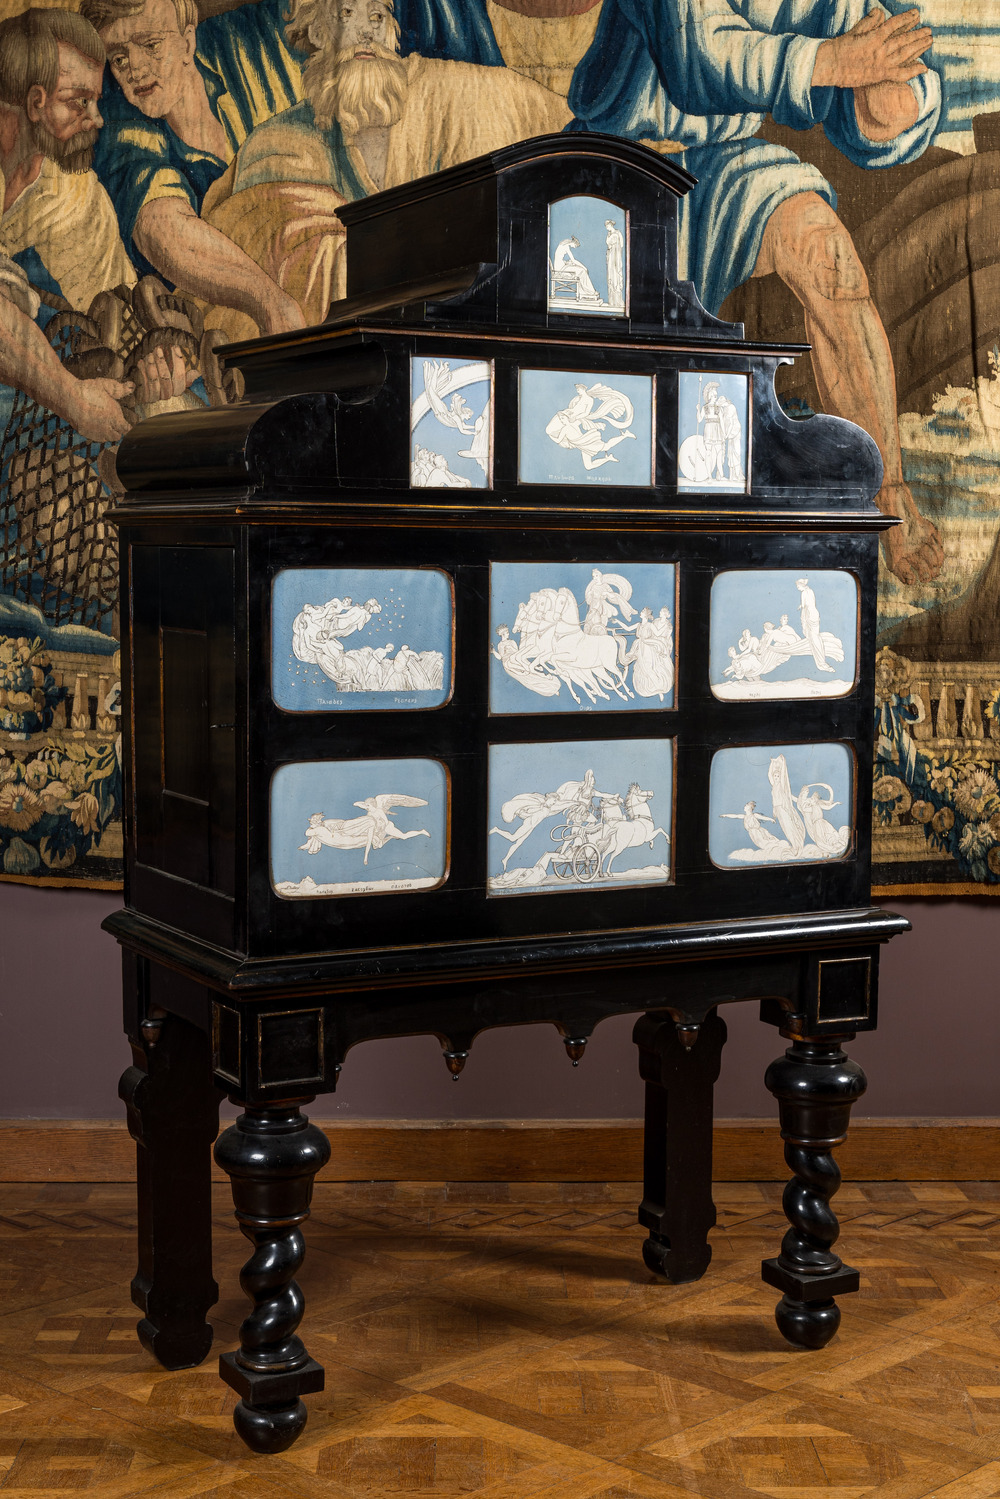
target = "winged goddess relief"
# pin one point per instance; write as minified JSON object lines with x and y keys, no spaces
{"x":374,"y":830}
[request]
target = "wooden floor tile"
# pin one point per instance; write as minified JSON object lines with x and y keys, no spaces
{"x":505,"y":1341}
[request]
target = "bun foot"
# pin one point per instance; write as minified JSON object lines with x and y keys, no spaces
{"x":807,"y":1324}
{"x":270,"y":1428}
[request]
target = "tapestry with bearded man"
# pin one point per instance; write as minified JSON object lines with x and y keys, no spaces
{"x":172,"y":172}
{"x":369,"y":119}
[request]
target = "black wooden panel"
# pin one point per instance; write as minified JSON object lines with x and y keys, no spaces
{"x":845,"y":988}
{"x":184,"y":849}
{"x":183,"y":610}
{"x":181,"y":904}
{"x":184,"y":663}
{"x":226,"y":1042}
{"x":290,"y":1047}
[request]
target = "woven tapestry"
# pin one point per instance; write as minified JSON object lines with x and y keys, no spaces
{"x":171,"y":174}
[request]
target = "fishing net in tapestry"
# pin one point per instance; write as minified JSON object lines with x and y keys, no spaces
{"x":57,"y":549}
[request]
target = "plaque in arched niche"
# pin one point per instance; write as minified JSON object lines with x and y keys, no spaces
{"x":588,"y":257}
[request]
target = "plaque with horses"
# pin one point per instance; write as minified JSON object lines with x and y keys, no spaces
{"x":581,"y":815}
{"x":578,"y":636}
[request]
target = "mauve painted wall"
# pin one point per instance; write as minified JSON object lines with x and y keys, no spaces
{"x":61,"y":1047}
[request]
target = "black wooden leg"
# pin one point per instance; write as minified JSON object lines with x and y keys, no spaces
{"x":680,"y":1065}
{"x":272,"y":1154}
{"x":815,"y":1084}
{"x":173,"y":1115}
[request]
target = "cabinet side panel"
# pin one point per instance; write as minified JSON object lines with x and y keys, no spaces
{"x":183,"y":621}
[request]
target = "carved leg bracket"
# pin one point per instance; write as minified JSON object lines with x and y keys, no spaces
{"x":272,"y":1155}
{"x":680,"y":1064}
{"x":815,"y":1084}
{"x":173,"y":1116}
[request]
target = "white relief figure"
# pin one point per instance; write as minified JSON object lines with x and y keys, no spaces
{"x":373,"y":830}
{"x":437,"y":384}
{"x":809,"y":615}
{"x":721,"y":434}
{"x":616,"y":265}
{"x":552,"y":639}
{"x":812,"y":806}
{"x":580,"y":425}
{"x":590,"y":838}
{"x":570,"y":274}
{"x":717,"y":442}
{"x":508,"y":653}
{"x":572,"y":801}
{"x":592,"y":657}
{"x":430,"y":470}
{"x":318,"y":631}
{"x":772,"y":651}
{"x":450,"y":422}
{"x":759,"y":836}
{"x":606,"y":597}
{"x":411,"y":671}
{"x":741,"y":669}
{"x":351,"y":617}
{"x":807,"y":834}
{"x":783,"y":804}
{"x":753,"y":658}
{"x":626,"y":826}
{"x":652,"y":653}
{"x":479,"y":449}
{"x":744,"y":659}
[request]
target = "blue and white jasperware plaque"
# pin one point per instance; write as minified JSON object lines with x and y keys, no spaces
{"x":783,"y":634}
{"x":451,"y":423}
{"x":358,"y":827}
{"x":592,"y":814}
{"x":780,"y":804}
{"x":578,"y":427}
{"x":588,"y":257}
{"x":571,"y":637}
{"x":713,"y":431}
{"x":361,"y":638}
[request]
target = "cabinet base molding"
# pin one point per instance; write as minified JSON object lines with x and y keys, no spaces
{"x":592,"y":1150}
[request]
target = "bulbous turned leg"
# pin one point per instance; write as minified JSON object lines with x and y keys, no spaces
{"x":272,"y":1155}
{"x":815,"y":1084}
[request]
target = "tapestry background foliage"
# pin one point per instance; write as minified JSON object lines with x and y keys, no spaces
{"x":171,"y":173}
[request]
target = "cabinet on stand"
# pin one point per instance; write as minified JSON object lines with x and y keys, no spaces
{"x":504,"y":655}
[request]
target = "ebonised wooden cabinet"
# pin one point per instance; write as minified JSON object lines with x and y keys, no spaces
{"x":504,"y":655}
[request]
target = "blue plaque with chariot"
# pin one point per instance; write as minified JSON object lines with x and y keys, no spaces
{"x":361,"y":639}
{"x":579,"y":815}
{"x":574,"y":637}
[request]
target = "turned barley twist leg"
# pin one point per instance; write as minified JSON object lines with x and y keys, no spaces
{"x":272,"y":1155}
{"x":815,"y":1084}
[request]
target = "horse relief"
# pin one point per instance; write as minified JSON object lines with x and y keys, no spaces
{"x":602,"y":649}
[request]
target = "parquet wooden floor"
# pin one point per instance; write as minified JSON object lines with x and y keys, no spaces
{"x":506,"y":1342}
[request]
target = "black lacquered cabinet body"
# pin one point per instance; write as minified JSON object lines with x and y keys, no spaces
{"x":564,"y":628}
{"x":206,"y":825}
